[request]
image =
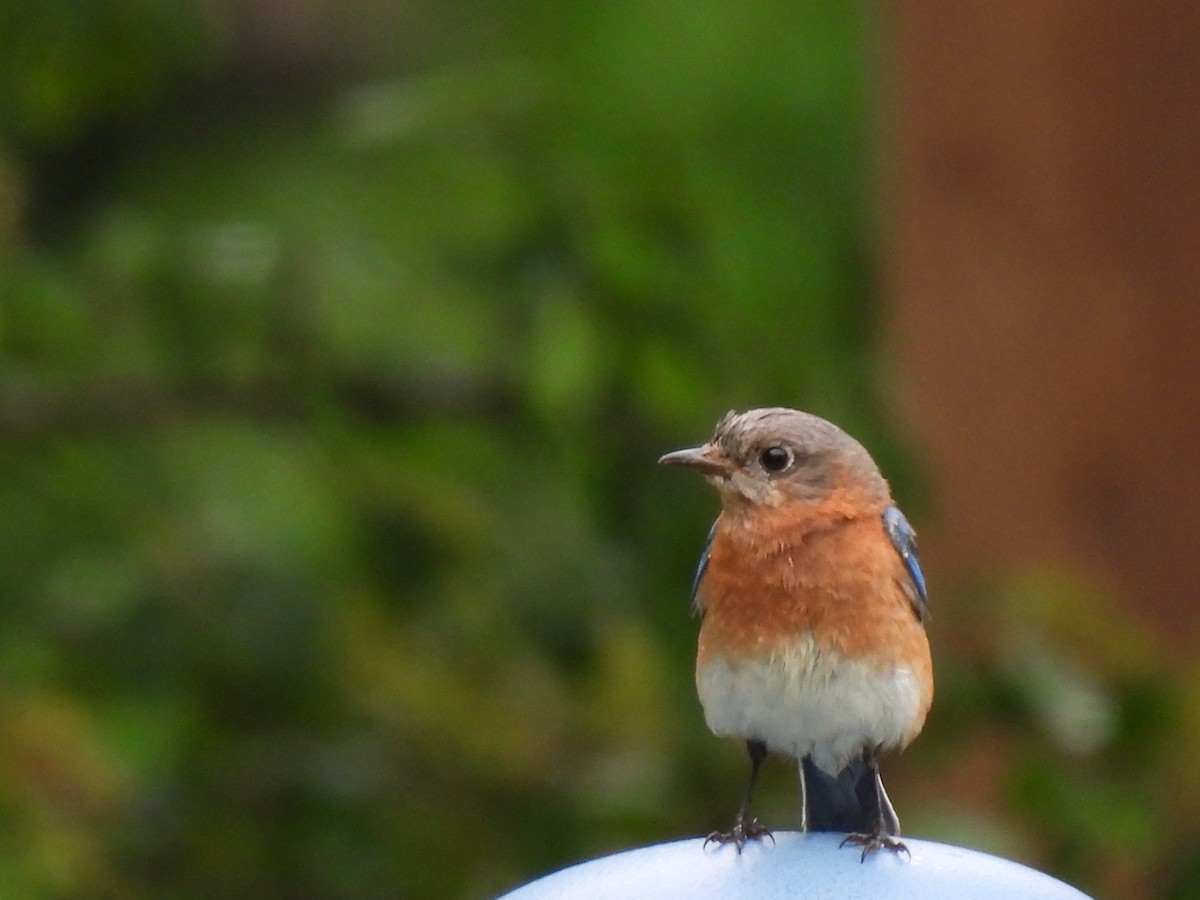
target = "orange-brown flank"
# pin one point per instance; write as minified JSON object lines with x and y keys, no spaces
{"x":827,"y":569}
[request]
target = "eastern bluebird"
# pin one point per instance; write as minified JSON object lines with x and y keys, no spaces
{"x":812,"y":639}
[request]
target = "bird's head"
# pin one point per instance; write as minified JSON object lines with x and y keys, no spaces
{"x":774,"y":455}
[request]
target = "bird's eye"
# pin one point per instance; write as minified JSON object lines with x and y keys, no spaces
{"x":775,"y":458}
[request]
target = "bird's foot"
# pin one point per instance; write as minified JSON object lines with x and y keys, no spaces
{"x":744,"y":830}
{"x":873,"y":842}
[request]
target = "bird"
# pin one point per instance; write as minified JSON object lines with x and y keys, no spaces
{"x":813,"y":607}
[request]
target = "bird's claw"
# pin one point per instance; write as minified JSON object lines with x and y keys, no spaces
{"x":873,"y":842}
{"x":743,"y":832}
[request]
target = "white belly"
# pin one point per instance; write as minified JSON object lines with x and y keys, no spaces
{"x":802,"y":702}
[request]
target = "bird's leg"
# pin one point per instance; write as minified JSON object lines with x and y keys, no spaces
{"x":887,"y":813}
{"x":882,"y":820}
{"x":745,"y":827}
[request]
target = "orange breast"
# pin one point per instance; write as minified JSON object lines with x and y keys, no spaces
{"x":830,"y":569}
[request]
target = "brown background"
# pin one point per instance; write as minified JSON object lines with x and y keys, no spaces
{"x":1044,"y":264}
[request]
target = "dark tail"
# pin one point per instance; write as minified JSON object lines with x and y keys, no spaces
{"x":854,"y":801}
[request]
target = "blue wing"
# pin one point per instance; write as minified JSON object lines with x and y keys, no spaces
{"x":904,"y":539}
{"x":697,"y":606}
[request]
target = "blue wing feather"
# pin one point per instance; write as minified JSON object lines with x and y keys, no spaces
{"x":904,"y":539}
{"x":697,"y":606}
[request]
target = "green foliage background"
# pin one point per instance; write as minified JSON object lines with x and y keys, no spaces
{"x":338,"y":343}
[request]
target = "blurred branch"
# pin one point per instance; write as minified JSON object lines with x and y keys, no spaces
{"x":34,"y":410}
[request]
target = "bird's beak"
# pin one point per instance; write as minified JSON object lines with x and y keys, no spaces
{"x":707,"y":460}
